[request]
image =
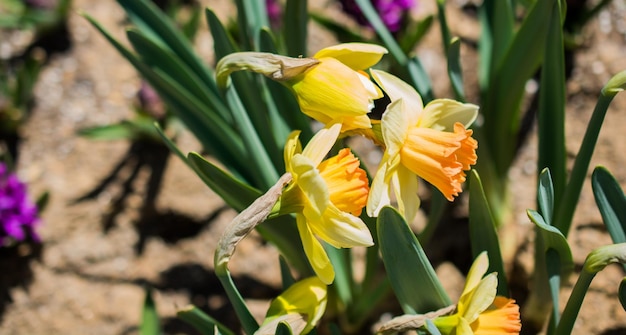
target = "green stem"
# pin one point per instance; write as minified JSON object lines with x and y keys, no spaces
{"x":570,"y":313}
{"x":248,"y":322}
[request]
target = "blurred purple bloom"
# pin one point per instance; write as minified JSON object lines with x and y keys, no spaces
{"x":18,"y":215}
{"x":391,"y":12}
{"x":273,"y":12}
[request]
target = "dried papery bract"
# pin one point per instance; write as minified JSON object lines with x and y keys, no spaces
{"x":408,"y":322}
{"x":243,"y":223}
{"x":275,"y":67}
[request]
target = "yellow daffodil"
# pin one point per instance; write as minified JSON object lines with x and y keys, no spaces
{"x":327,"y":197}
{"x":330,"y":87}
{"x":429,"y":141}
{"x":480,"y":311}
{"x":337,"y":90}
{"x":301,"y":306}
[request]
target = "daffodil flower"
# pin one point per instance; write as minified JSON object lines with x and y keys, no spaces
{"x":331,"y":87}
{"x":301,"y":306}
{"x":327,"y":197}
{"x":480,"y":311}
{"x":430,"y":141}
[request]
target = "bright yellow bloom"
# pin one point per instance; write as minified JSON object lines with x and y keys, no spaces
{"x":336,"y":90}
{"x":301,"y":306}
{"x":431,"y":142}
{"x":480,"y":311}
{"x":327,"y":197}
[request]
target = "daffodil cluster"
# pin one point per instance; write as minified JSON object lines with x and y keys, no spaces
{"x":338,"y":88}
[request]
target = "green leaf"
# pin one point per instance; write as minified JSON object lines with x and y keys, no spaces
{"x":248,"y":323}
{"x":121,"y":131}
{"x":342,"y":33}
{"x":414,"y":33}
{"x":483,"y":234}
{"x":501,"y":100}
{"x":149,"y":319}
{"x":341,"y":259}
{"x":202,"y":322}
{"x":553,"y":239}
{"x":412,"y":277}
{"x":283,"y":328}
{"x":621,"y":293}
{"x":216,"y":136}
{"x":154,"y":23}
{"x":545,"y":195}
{"x":611,"y":203}
{"x":252,"y":17}
{"x":565,"y":210}
{"x":234,"y":192}
{"x":551,"y":114}
{"x":497,"y":23}
{"x":163,"y":60}
{"x":295,"y":22}
{"x":285,"y":273}
{"x":454,"y":68}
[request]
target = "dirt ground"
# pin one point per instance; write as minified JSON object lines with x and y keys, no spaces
{"x":101,"y":246}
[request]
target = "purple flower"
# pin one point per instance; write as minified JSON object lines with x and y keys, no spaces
{"x":392,"y":12}
{"x":273,"y":12}
{"x":18,"y":215}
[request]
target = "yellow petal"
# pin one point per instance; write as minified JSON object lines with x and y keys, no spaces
{"x":339,"y":229}
{"x":292,"y":146}
{"x":311,"y":184}
{"x":315,"y":252}
{"x":321,"y":143}
{"x":395,"y":125}
{"x":476,"y":272}
{"x":347,"y":183}
{"x":306,"y":297}
{"x":358,"y":56}
{"x":442,"y":114}
{"x":470,"y":306}
{"x":332,"y":91}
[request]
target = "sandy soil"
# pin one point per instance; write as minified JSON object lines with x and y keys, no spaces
{"x":99,"y":253}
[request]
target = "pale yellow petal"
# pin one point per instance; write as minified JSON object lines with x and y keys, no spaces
{"x":476,"y":272}
{"x":321,"y":143}
{"x":395,"y":126}
{"x":315,"y":252}
{"x":292,"y":146}
{"x":442,"y":114}
{"x":339,"y":229}
{"x":379,"y":190}
{"x":397,"y":89}
{"x":311,"y":184}
{"x":480,"y":299}
{"x":358,"y":56}
{"x":463,"y":328}
{"x":408,"y":200}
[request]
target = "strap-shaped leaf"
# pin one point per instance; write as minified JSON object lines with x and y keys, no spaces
{"x":202,"y":322}
{"x":150,"y":324}
{"x":412,"y":277}
{"x":211,"y":133}
{"x":501,"y":101}
{"x":551,"y":114}
{"x":154,"y":23}
{"x":283,"y":328}
{"x":611,"y":203}
{"x":295,"y":22}
{"x":545,"y":195}
{"x":454,"y":68}
{"x":497,"y":23}
{"x":157,"y":57}
{"x":483,"y":235}
{"x":553,"y":239}
{"x":235,"y":193}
